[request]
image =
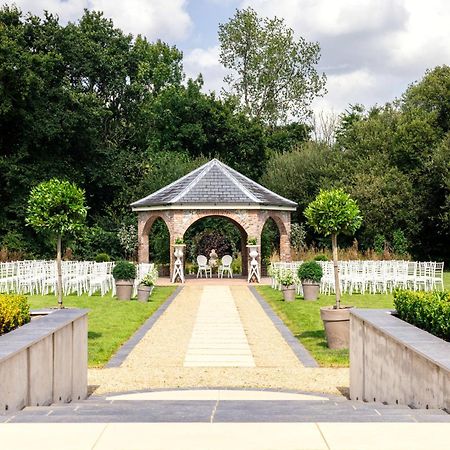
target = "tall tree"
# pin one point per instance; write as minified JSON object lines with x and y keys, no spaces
{"x":272,"y":73}
{"x":57,"y":207}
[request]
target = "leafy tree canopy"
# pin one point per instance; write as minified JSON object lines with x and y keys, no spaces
{"x":272,"y":73}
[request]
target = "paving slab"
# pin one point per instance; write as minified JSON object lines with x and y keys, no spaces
{"x":218,"y":332}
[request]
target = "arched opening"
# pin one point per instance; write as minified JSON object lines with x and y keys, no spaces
{"x":270,"y":244}
{"x":223,"y":234}
{"x":159,"y":246}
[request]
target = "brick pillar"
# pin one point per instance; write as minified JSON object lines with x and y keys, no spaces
{"x":143,"y":250}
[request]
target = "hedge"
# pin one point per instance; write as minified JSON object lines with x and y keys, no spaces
{"x":14,"y":312}
{"x":429,"y":311}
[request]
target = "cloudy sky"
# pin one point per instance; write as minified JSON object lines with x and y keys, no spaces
{"x":371,"y":49}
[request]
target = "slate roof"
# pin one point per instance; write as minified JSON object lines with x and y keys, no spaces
{"x":214,"y":183}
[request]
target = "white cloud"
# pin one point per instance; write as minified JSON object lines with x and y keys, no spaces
{"x":166,"y":19}
{"x":371,"y":49}
{"x":206,"y":62}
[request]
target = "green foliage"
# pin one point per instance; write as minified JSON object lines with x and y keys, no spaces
{"x":14,"y":312}
{"x":334,"y":212}
{"x":310,"y":271}
{"x":128,"y":239}
{"x":427,"y":310}
{"x":399,"y":243}
{"x":300,"y":174}
{"x":298,"y":236}
{"x":179,"y":241}
{"x":273,"y":73}
{"x":270,"y":240}
{"x":124,"y":270}
{"x":102,"y":257}
{"x":56,"y":206}
{"x":379,"y":243}
{"x":94,"y":240}
{"x":321,"y":257}
{"x":252,"y":241}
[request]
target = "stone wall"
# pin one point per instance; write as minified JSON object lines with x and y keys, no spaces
{"x":394,"y":362}
{"x":44,"y":361}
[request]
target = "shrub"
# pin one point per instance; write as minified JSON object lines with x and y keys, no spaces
{"x":429,"y":311}
{"x":124,"y":270}
{"x":251,"y":241}
{"x":14,"y":312}
{"x":102,"y":257}
{"x":310,"y":271}
{"x":321,"y":257}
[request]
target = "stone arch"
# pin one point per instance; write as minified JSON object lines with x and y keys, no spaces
{"x":238,"y":220}
{"x":146,"y":220}
{"x":283,"y":221}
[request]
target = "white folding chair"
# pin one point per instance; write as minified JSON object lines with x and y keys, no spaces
{"x":225,"y":267}
{"x":203,"y":266}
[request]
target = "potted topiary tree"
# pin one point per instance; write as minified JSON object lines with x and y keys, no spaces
{"x":124,"y":273}
{"x":310,"y":273}
{"x":331,"y":213}
{"x":57,"y":206}
{"x":287,"y":286}
{"x":146,"y":285}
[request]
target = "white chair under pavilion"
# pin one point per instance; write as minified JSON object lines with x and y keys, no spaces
{"x":225,"y":267}
{"x":203,"y":266}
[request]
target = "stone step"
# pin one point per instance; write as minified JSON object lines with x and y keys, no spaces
{"x":230,"y":411}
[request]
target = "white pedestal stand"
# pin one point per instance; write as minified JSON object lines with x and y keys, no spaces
{"x":178,"y":267}
{"x":253,"y":273}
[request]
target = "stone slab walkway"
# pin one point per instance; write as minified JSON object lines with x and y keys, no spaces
{"x":218,"y":338}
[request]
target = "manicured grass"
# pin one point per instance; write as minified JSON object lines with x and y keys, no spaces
{"x":111,"y":321}
{"x":303,"y":319}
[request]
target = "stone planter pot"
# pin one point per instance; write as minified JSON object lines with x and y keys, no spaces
{"x":310,"y":290}
{"x":337,"y":326}
{"x":288,"y":293}
{"x":144,"y":292}
{"x":124,"y":289}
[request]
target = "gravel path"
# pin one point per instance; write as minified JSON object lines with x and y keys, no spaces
{"x":157,"y":361}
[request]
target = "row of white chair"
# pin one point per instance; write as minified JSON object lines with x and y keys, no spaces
{"x":369,"y":276}
{"x":78,"y":277}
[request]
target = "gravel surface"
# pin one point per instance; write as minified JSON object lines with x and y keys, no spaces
{"x":157,"y":361}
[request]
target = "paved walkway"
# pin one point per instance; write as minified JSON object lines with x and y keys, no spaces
{"x":218,"y":338}
{"x":168,"y":355}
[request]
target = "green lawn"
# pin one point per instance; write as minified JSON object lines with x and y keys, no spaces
{"x":303,"y":319}
{"x":111,"y":321}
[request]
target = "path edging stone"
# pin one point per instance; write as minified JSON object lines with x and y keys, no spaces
{"x":119,"y":357}
{"x":299,"y":350}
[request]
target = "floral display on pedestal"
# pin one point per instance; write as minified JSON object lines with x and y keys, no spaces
{"x":178,"y":267}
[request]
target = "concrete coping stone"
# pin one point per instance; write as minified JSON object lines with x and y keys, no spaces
{"x":51,"y":320}
{"x":430,"y":347}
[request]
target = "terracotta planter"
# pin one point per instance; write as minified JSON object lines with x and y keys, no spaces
{"x":288,"y":293}
{"x":144,"y":292}
{"x":310,"y":290}
{"x":124,"y":289}
{"x":337,"y":326}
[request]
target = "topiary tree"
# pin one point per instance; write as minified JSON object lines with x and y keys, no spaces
{"x":331,"y":213}
{"x":56,"y":206}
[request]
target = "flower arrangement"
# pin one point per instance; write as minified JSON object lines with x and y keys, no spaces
{"x":287,"y":279}
{"x":150,"y":278}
